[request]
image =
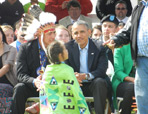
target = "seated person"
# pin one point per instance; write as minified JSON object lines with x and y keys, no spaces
{"x":62,"y":34}
{"x":60,"y":77}
{"x":74,"y":11}
{"x":88,"y":59}
{"x":123,"y":78}
{"x":58,"y":7}
{"x":32,"y":60}
{"x":96,"y":32}
{"x":19,"y":36}
{"x":11,"y":12}
{"x":109,"y":28}
{"x":9,"y":33}
{"x":7,"y":74}
{"x":7,"y":59}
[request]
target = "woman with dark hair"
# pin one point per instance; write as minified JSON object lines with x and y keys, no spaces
{"x":7,"y":75}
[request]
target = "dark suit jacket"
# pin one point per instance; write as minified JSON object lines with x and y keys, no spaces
{"x":97,"y":59}
{"x":27,"y":62}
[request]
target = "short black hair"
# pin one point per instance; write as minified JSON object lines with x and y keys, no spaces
{"x":121,"y":2}
{"x":53,"y":51}
{"x":73,"y":3}
{"x":3,"y":36}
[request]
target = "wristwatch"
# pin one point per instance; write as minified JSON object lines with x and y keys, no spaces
{"x":86,"y":76}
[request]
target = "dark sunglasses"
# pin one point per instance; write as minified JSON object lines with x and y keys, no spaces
{"x":120,"y":8}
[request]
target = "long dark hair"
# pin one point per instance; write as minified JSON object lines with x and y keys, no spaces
{"x":3,"y":36}
{"x":53,"y":51}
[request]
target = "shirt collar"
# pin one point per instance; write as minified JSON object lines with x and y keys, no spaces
{"x":145,"y":3}
{"x":72,"y":21}
{"x":86,"y":47}
{"x":39,"y":46}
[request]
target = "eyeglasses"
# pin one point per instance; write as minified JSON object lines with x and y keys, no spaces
{"x":120,"y":8}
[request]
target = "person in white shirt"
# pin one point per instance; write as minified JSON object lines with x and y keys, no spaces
{"x":121,"y":11}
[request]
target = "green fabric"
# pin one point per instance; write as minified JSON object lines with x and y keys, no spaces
{"x":26,"y":6}
{"x":123,"y":64}
{"x":60,"y":92}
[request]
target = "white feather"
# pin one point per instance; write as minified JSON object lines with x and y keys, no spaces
{"x":46,"y":17}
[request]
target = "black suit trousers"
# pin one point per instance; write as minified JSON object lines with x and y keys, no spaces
{"x":98,"y":90}
{"x":20,"y":95}
{"x":126,"y":90}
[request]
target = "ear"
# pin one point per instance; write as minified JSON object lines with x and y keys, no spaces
{"x":16,"y":32}
{"x":89,"y":32}
{"x":60,"y":57}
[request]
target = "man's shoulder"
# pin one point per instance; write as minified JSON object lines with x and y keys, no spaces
{"x":29,"y":44}
{"x":83,"y":16}
{"x":70,"y":44}
{"x":64,"y":19}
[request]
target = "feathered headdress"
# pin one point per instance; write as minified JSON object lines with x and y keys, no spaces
{"x":38,"y":22}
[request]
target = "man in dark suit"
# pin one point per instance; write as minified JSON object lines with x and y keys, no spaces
{"x":88,"y":59}
{"x":31,"y":62}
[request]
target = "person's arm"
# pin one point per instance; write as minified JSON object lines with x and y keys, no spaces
{"x":4,"y":70}
{"x":9,"y":62}
{"x":53,"y":6}
{"x":100,"y":8}
{"x":22,"y":67}
{"x":120,"y":56}
{"x":121,"y":38}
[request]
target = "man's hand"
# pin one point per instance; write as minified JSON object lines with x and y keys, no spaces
{"x":37,"y":82}
{"x":64,"y":4}
{"x":110,"y":43}
{"x":80,"y":77}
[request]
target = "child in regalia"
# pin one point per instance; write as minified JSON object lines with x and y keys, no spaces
{"x":60,"y":92}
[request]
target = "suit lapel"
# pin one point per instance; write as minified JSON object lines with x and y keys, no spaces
{"x":68,"y":21}
{"x":35,"y":54}
{"x":91,"y":53}
{"x":76,"y":55}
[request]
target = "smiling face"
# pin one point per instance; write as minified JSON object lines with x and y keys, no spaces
{"x":9,"y":36}
{"x":120,"y":11}
{"x":49,"y":38}
{"x":96,"y":33}
{"x":80,"y":34}
{"x":62,"y":35}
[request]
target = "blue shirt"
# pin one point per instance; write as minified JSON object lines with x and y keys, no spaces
{"x":84,"y":61}
{"x":42,"y":56}
{"x":142,"y":33}
{"x":18,"y":45}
